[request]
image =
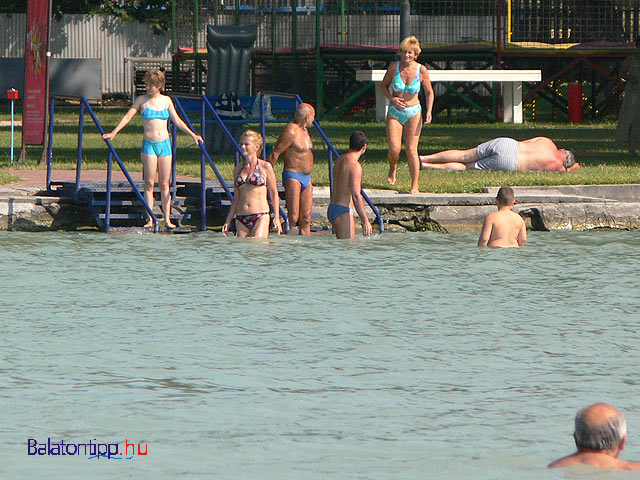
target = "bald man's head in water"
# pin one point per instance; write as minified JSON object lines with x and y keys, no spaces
{"x":600,"y":435}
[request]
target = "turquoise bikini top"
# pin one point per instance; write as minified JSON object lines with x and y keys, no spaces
{"x":151,"y":114}
{"x":399,"y":86}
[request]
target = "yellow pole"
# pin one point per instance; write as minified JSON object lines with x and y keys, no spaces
{"x":508,"y":21}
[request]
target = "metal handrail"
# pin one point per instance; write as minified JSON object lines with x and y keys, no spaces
{"x":206,"y":104}
{"x":331,"y":151}
{"x":124,"y":170}
{"x":112,"y":154}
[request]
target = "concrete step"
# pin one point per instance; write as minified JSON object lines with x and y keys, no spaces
{"x":178,"y":202}
{"x":138,"y":216}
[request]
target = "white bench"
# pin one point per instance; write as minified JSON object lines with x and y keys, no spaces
{"x":511,"y":86}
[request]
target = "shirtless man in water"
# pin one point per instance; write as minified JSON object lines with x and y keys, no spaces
{"x":347,"y":184}
{"x":504,"y":228}
{"x":295,"y":145}
{"x":539,"y":153}
{"x":600,"y":435}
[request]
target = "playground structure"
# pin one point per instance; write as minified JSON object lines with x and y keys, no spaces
{"x":315,"y":47}
{"x":98,"y":195}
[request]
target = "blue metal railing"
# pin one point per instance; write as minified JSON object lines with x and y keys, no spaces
{"x":206,"y":105}
{"x":204,"y":155}
{"x":332,"y":152}
{"x":112,"y":154}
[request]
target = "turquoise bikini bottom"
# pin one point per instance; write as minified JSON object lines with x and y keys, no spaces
{"x":159,"y":149}
{"x":405,"y":114}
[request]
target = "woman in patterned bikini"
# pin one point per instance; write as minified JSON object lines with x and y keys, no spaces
{"x":155,"y":109}
{"x":401,"y":85}
{"x":254,"y":178}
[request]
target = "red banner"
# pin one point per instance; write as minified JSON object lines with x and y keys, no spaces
{"x":35,"y":73}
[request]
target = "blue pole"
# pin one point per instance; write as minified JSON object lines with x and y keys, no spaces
{"x":50,"y":148}
{"x":107,"y":213}
{"x":262,"y":124}
{"x":203,"y":173}
{"x":79,"y":156}
{"x":174,"y":151}
{"x":121,"y":165}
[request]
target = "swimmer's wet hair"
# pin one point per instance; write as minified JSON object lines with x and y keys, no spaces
{"x":505,"y":195}
{"x":569,"y":158}
{"x":606,"y":436}
{"x":155,"y":77}
{"x":411,"y":43}
{"x":255,"y":137}
{"x":357,"y":140}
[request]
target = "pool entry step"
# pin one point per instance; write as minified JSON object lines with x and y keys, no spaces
{"x":128,"y":211}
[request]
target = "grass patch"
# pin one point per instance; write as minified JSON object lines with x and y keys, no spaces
{"x":603,"y":160}
{"x":6,"y":177}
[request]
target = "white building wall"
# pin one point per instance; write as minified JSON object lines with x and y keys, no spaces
{"x":91,"y":36}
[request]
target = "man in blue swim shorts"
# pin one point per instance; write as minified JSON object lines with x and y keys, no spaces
{"x":294,"y":144}
{"x":506,"y":154}
{"x":347,"y":184}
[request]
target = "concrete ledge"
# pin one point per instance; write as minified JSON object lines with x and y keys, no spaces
{"x":37,"y":213}
{"x":580,"y":207}
{"x":544,"y":208}
{"x":621,"y":193}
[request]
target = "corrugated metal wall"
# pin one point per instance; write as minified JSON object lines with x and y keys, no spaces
{"x":86,"y":36}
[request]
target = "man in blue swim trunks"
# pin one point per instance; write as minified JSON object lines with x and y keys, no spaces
{"x":295,"y":145}
{"x":347,"y":183}
{"x":507,"y":154}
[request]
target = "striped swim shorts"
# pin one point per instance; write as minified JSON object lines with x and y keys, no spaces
{"x":498,"y":154}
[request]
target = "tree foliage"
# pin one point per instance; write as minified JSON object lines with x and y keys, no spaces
{"x":156,"y":13}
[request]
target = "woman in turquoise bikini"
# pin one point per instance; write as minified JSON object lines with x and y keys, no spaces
{"x":401,"y":85}
{"x":254,"y":179}
{"x":155,"y":109}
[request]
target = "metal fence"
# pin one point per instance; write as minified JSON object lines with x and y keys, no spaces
{"x":530,"y":23}
{"x":342,"y":22}
{"x":526,"y":23}
{"x":573,"y":21}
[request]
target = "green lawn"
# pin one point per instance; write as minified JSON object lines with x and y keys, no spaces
{"x":603,"y":160}
{"x":5,"y":178}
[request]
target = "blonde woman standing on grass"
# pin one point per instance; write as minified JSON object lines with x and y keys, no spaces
{"x":401,"y":85}
{"x":155,"y":109}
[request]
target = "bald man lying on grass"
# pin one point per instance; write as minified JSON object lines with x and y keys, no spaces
{"x":506,"y":154}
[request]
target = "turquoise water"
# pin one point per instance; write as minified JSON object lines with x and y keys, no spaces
{"x":400,"y":356}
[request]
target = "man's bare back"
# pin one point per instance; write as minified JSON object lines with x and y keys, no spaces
{"x":595,"y":459}
{"x":347,"y":185}
{"x":540,"y":153}
{"x":504,"y":228}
